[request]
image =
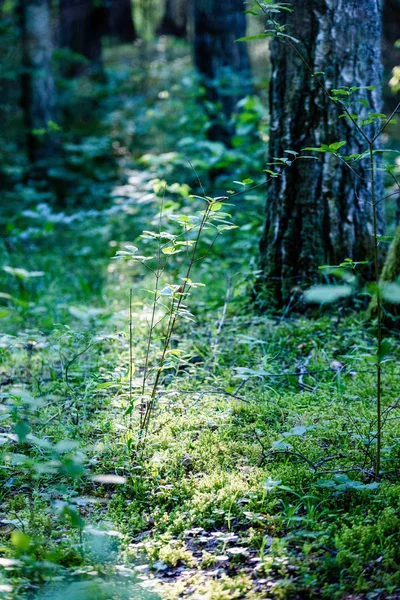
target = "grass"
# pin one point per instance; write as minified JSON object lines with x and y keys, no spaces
{"x":256,"y":480}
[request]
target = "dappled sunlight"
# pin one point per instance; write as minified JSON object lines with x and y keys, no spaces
{"x":199,"y":303}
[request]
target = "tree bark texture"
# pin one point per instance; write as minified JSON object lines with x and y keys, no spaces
{"x":38,"y":89}
{"x":223,"y":63}
{"x":174,"y":21}
{"x":120,"y":21}
{"x":318,"y":212}
{"x":82,"y":26}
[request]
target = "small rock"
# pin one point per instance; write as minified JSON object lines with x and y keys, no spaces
{"x":187,"y":460}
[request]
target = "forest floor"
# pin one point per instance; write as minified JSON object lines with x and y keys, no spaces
{"x":256,"y":480}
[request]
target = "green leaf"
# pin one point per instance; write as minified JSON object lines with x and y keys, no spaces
{"x":53,"y":126}
{"x":299,"y":430}
{"x":336,"y":145}
{"x":249,"y":38}
{"x":310,"y":149}
{"x":324,"y":294}
{"x":270,"y":484}
{"x":39,"y":132}
{"x":74,"y":516}
{"x":22,"y":429}
{"x":20,"y":540}
{"x":170,"y":250}
{"x":281,"y":445}
{"x":384,"y":350}
{"x":22,"y":273}
{"x":341,"y":92}
{"x":391,"y":292}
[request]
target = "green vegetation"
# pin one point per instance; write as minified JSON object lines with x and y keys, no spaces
{"x":256,"y":476}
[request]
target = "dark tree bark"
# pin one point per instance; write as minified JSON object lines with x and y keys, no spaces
{"x":174,"y":21}
{"x":120,"y":21}
{"x":82,"y":26}
{"x":390,"y":54}
{"x":223,"y":63}
{"x":319,"y":212}
{"x":38,"y":89}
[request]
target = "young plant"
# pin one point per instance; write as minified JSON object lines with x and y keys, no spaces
{"x":169,"y":298}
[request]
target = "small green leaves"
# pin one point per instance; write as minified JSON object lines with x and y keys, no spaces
{"x":372,"y":117}
{"x":52,"y":127}
{"x":298,"y":430}
{"x":341,"y":92}
{"x":169,"y":250}
{"x":345,"y":92}
{"x":191,"y":283}
{"x":342,"y":483}
{"x":347,"y":263}
{"x":250,"y":38}
{"x":327,"y":148}
{"x":130,"y":254}
{"x":177,"y":247}
{"x":169,"y":290}
{"x":271,"y":484}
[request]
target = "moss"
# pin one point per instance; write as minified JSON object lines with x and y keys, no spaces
{"x":370,"y":545}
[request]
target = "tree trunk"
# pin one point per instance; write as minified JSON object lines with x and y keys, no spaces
{"x":223,"y":64}
{"x":121,"y":24}
{"x":318,"y":212}
{"x":174,"y":21}
{"x":38,"y":89}
{"x":82,"y":25}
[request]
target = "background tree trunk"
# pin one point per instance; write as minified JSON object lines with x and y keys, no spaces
{"x":318,"y":212}
{"x":224,"y":64}
{"x":38,"y":89}
{"x":121,"y":24}
{"x":82,"y":25}
{"x":174,"y":21}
